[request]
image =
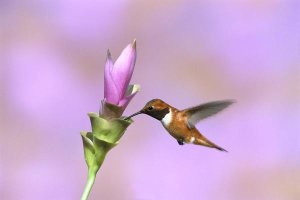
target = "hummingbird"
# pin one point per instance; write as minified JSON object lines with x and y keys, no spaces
{"x":181,"y":123}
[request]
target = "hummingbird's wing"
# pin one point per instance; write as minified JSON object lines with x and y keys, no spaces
{"x":197,"y":113}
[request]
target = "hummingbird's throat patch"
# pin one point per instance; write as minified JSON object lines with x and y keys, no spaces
{"x":167,"y":119}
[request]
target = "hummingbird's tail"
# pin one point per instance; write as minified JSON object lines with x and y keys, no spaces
{"x":201,"y":140}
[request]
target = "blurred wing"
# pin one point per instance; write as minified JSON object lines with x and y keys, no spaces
{"x":197,"y":113}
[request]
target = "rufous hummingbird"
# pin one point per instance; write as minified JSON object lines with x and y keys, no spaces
{"x":181,"y":123}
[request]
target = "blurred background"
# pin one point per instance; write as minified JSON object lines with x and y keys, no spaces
{"x":52,"y":55}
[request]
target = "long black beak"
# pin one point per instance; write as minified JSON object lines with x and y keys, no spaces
{"x":137,"y":113}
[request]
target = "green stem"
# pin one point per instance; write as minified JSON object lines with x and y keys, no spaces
{"x":89,"y":184}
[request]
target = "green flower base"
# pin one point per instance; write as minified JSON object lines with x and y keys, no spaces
{"x":105,"y":135}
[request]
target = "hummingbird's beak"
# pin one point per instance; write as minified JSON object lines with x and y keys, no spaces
{"x":137,"y":113}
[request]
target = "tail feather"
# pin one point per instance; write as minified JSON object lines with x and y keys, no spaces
{"x":220,"y":148}
{"x":205,"y":142}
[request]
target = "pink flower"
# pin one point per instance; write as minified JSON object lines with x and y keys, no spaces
{"x":117,"y":76}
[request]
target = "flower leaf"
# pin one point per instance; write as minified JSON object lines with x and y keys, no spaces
{"x":108,"y":130}
{"x":88,"y":148}
{"x":101,"y":149}
{"x":99,"y":125}
{"x":119,"y":126}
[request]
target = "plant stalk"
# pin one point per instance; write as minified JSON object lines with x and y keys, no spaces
{"x":89,"y":184}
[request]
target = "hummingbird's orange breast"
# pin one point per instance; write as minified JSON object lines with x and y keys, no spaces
{"x":176,"y":124}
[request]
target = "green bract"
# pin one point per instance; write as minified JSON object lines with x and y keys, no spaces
{"x":104,"y":136}
{"x":106,"y":133}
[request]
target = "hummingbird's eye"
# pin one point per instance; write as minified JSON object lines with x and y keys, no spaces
{"x":150,"y":108}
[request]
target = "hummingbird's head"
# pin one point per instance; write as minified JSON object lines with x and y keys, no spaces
{"x":155,"y":108}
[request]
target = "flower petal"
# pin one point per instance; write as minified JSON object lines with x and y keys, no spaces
{"x":123,"y":68}
{"x":111,"y":93}
{"x":131,"y":92}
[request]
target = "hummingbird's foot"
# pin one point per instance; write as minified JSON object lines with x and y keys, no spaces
{"x":180,"y":142}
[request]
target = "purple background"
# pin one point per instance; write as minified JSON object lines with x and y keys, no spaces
{"x":52,"y":55}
